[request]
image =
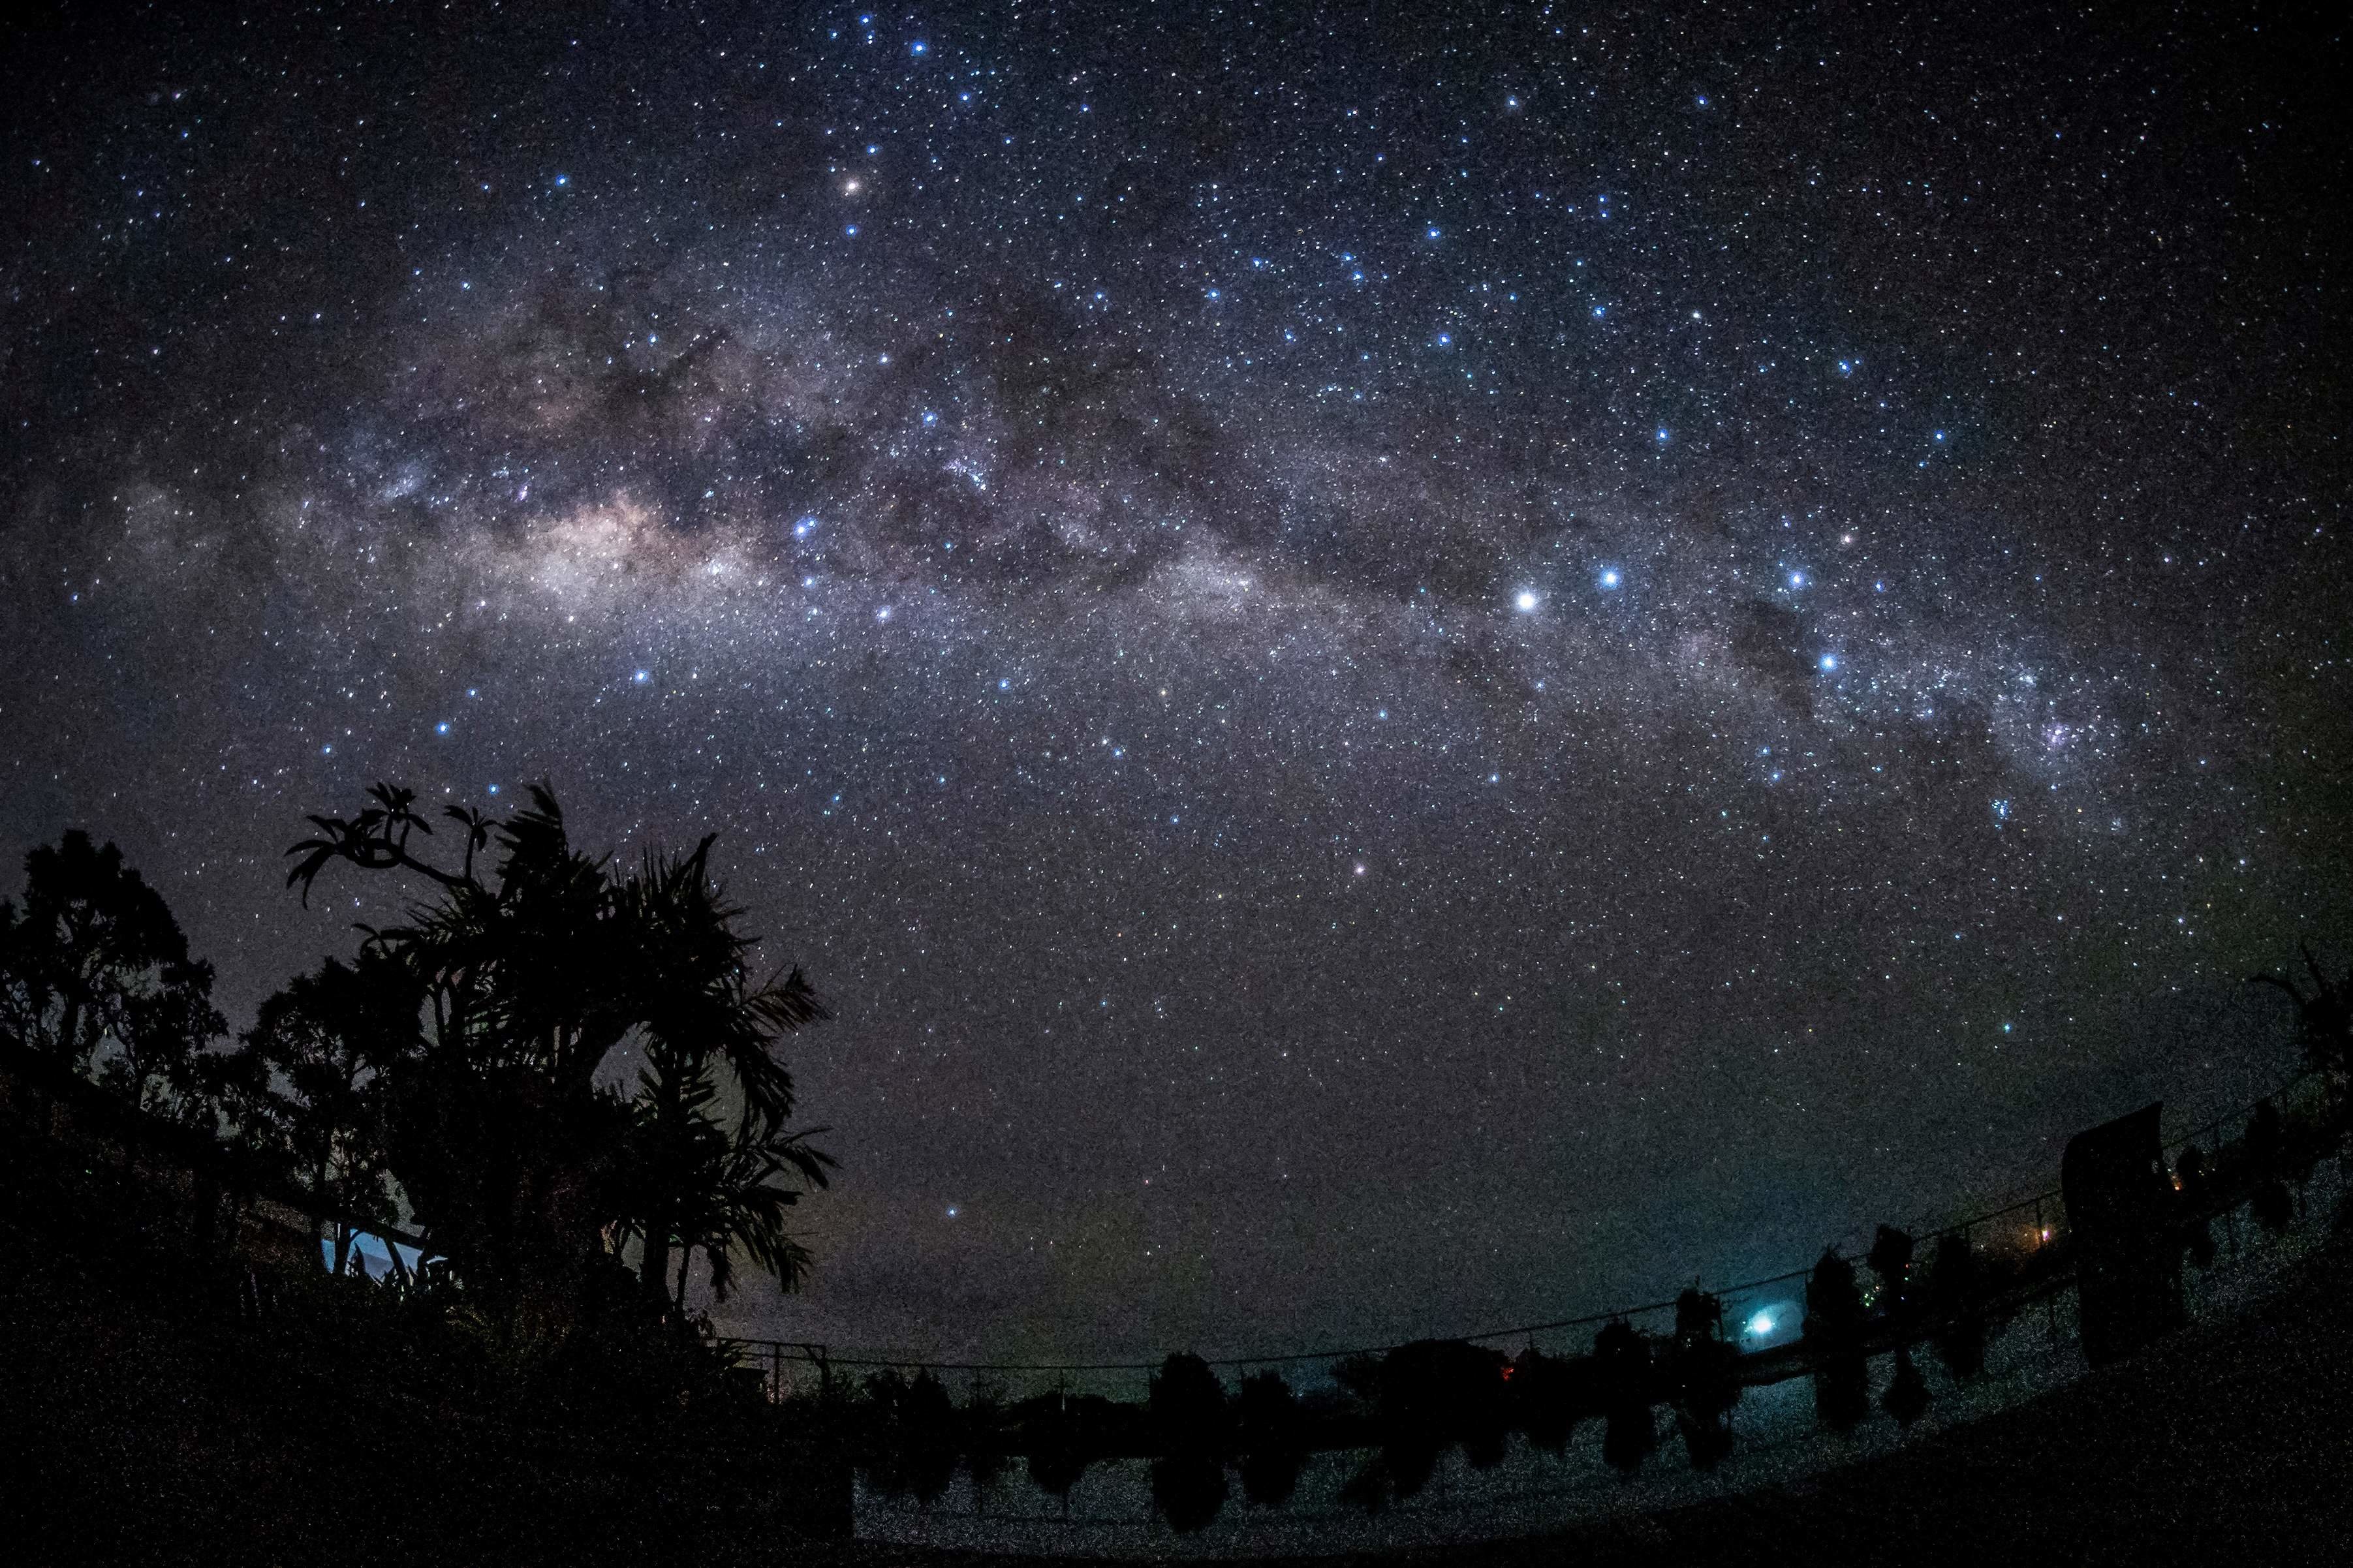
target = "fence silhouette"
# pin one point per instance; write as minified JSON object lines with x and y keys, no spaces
{"x":2026,"y":1238}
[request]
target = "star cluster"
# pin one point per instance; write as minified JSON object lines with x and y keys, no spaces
{"x":1395,"y":670}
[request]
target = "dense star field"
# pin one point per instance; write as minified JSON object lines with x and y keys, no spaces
{"x":1400,"y":674}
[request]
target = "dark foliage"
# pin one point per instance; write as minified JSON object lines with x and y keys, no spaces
{"x":1269,"y":1434}
{"x":1702,"y":1371}
{"x":1906,"y":1397}
{"x":1549,"y":1397}
{"x":1189,"y":1491}
{"x":530,"y":963}
{"x":1891,"y":1259}
{"x":95,"y":976}
{"x":1955,"y":1299}
{"x":1833,"y":1333}
{"x":1623,"y":1377}
{"x":1189,"y":1409}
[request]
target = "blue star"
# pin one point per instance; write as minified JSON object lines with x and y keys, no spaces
{"x":1609,"y":577}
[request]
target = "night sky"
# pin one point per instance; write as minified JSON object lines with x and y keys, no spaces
{"x":1403,"y":671}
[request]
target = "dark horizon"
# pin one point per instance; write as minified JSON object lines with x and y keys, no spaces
{"x":1396,"y":677}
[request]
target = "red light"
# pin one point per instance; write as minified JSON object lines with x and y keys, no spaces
{"x":1508,"y":1370}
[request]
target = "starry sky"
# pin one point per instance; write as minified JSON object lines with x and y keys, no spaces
{"x":1403,"y":669}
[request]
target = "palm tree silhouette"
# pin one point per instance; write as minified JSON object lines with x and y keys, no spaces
{"x":695,"y":1185}
{"x":533,"y":961}
{"x":2324,"y":1014}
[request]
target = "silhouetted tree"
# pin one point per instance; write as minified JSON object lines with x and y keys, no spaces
{"x":1268,"y":1434}
{"x":1703,"y":1372}
{"x":95,"y":976}
{"x":1428,"y":1395}
{"x":1188,"y":1408}
{"x":728,"y":1193}
{"x":532,"y":969}
{"x":1906,"y":1398}
{"x":908,"y":1435}
{"x":1833,"y":1334}
{"x":984,"y":1439}
{"x":2324,"y":1016}
{"x":304,"y":1081}
{"x":690,"y":1184}
{"x":927,"y":1437}
{"x":1955,"y":1289}
{"x":1189,"y":1489}
{"x":1549,"y":1395}
{"x":1890,"y":1258}
{"x":2264,"y":1146}
{"x":1058,"y":1455}
{"x":1623,"y":1380}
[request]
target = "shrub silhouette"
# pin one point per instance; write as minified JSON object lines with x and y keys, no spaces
{"x":2264,"y":1147}
{"x":1623,"y":1384}
{"x":1890,"y":1258}
{"x":1549,"y":1396}
{"x":1055,"y":1467}
{"x":1955,"y":1288}
{"x":1189,"y":1489}
{"x":1833,"y":1334}
{"x":1906,"y":1398}
{"x":982,"y":1437}
{"x":1437,"y":1393}
{"x":1188,"y":1408}
{"x":1702,"y":1373}
{"x":909,"y":1436}
{"x":1270,"y":1436}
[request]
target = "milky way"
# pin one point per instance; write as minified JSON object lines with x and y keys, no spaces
{"x":1399,"y":676}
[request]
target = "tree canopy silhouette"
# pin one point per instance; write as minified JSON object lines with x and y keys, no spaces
{"x":304,"y":1084}
{"x":95,"y":976}
{"x":531,"y":962}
